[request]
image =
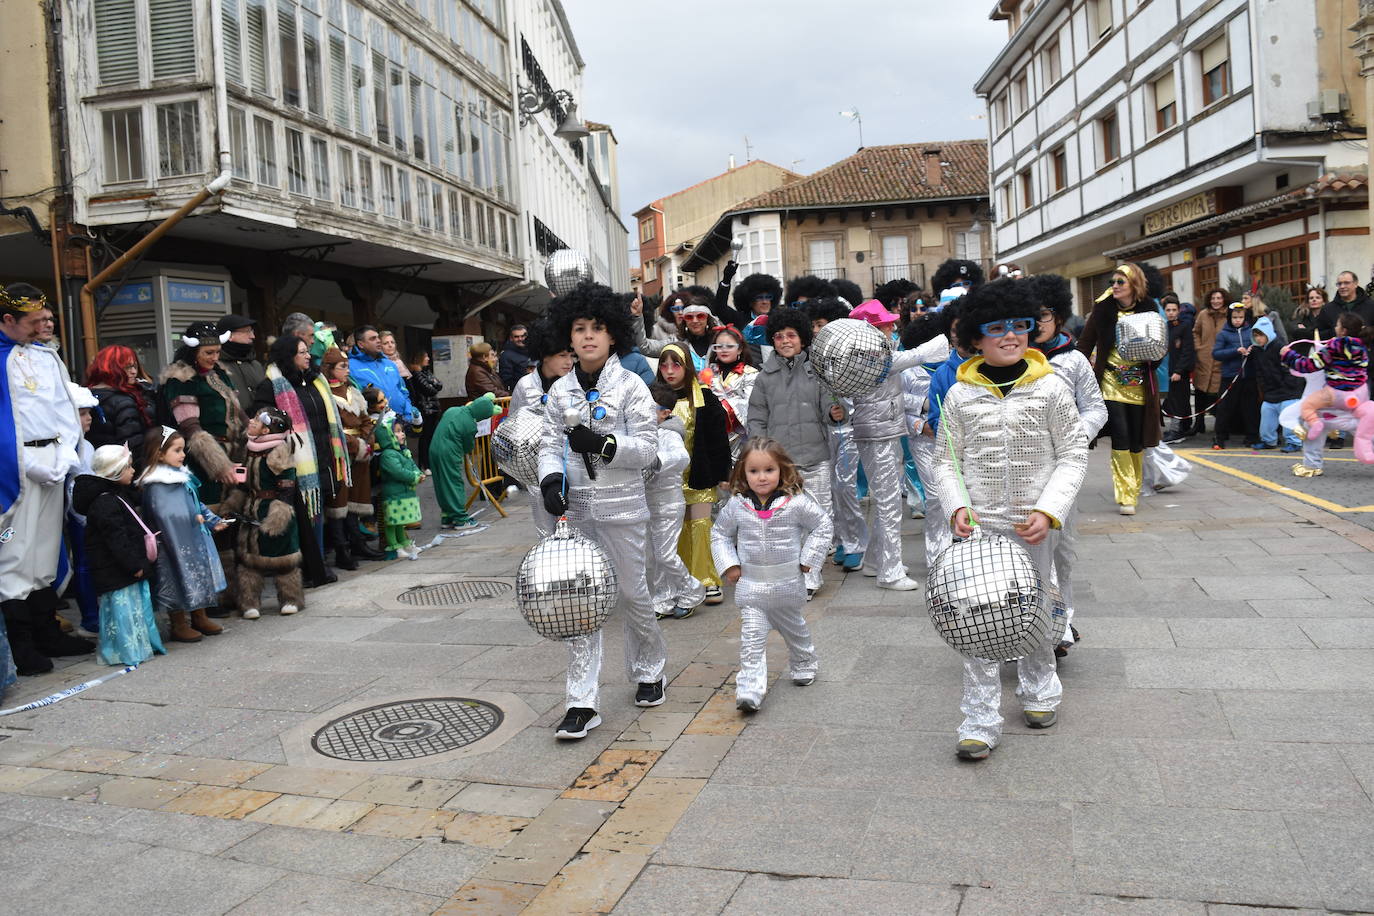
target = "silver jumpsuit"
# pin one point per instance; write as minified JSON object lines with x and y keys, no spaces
{"x":851,"y":529}
{"x":1073,"y":367}
{"x":1019,"y":452}
{"x":612,"y":511}
{"x":769,"y":546}
{"x":529,"y":393}
{"x":916,"y":402}
{"x":670,"y":584}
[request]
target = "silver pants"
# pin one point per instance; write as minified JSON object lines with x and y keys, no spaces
{"x":646,"y":653}
{"x":1037,"y":677}
{"x":851,"y":530}
{"x":543,"y":522}
{"x":764,"y":606}
{"x":1312,"y":451}
{"x":1063,"y":570}
{"x":670,"y":584}
{"x":884,"y":465}
{"x":816,"y":481}
{"x":937,"y":533}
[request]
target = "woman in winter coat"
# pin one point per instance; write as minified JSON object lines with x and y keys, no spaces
{"x":1206,"y":373}
{"x":1308,"y":320}
{"x":482,"y":377}
{"x":424,"y":394}
{"x":125,"y":412}
{"x":352,"y":502}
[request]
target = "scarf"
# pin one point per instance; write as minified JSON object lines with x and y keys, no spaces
{"x":266,"y":442}
{"x":306,"y":461}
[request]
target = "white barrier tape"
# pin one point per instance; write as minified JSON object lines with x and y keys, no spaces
{"x":69,"y":692}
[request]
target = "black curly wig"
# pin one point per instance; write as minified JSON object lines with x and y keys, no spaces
{"x":849,"y":291}
{"x":922,"y":330}
{"x":753,"y":286}
{"x":796,"y":319}
{"x":540,"y":340}
{"x":893,"y":291}
{"x":995,"y":301}
{"x":594,"y":301}
{"x":1052,"y":291}
{"x":952,"y":270}
{"x":827,"y":308}
{"x":809,"y":287}
{"x":1155,"y":284}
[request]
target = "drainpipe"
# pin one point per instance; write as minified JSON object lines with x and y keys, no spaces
{"x":218,"y":184}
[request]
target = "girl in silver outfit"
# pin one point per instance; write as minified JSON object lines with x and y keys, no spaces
{"x":851,"y":529}
{"x":928,"y":337}
{"x":676,"y":592}
{"x":593,"y":471}
{"x":551,"y":362}
{"x":1013,"y":425}
{"x":766,"y":538}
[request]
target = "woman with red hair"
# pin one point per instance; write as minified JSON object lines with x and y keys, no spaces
{"x":125,"y":413}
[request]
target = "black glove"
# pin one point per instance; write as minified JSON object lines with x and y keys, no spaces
{"x":731,"y":267}
{"x":585,"y":442}
{"x":551,"y":488}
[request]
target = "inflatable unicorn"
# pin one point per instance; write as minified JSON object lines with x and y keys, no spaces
{"x":1350,"y":411}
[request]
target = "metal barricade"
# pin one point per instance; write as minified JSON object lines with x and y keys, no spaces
{"x":480,"y":466}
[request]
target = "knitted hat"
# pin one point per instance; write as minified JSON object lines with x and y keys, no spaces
{"x":82,"y":396}
{"x":110,"y":461}
{"x":331,"y":358}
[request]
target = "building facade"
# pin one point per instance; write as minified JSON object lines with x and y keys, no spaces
{"x":1215,"y":140}
{"x":884,"y":213}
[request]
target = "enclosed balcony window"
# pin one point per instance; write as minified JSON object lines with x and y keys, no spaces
{"x":265,"y":143}
{"x":295,"y":162}
{"x":178,"y":139}
{"x":122,"y":138}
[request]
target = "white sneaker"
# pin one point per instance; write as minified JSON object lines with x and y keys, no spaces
{"x":871,"y":572}
{"x":252,"y":613}
{"x":918,"y":512}
{"x":286,"y":610}
{"x":1126,"y":510}
{"x":904,"y":584}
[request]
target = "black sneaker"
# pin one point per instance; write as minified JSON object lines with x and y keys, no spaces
{"x":577,"y":723}
{"x":650,"y":694}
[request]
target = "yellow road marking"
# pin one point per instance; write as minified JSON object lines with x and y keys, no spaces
{"x":1246,"y":453}
{"x":1308,"y":498}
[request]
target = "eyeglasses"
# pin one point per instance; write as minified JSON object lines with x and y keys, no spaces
{"x":766,"y":297}
{"x":966,"y":284}
{"x":598,"y":410}
{"x":1118,"y":281}
{"x":1017,"y":326}
{"x":1046,"y":315}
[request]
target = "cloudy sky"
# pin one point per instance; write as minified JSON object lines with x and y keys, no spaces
{"x":683,"y":84}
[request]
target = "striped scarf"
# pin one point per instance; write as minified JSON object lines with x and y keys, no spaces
{"x":306,"y":460}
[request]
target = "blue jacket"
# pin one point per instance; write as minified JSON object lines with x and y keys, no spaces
{"x":941,"y":380}
{"x":380,"y":371}
{"x":1224,"y":350}
{"x":636,"y":363}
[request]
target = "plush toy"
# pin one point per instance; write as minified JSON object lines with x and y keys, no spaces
{"x":1336,"y":395}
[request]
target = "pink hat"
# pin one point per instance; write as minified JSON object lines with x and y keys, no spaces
{"x":874,"y":312}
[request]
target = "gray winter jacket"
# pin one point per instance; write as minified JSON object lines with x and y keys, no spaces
{"x":791,"y":405}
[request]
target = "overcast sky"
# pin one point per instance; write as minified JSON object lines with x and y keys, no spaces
{"x":683,"y":84}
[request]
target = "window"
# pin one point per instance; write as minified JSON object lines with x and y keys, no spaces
{"x":422,"y":202}
{"x":1059,"y":165}
{"x":1051,"y":68}
{"x":231,"y":27}
{"x":388,"y":189}
{"x":265,"y":140}
{"x":172,"y":36}
{"x":968,"y":246}
{"x":1099,"y":19}
{"x":467,"y":218}
{"x":397,"y":80}
{"x":379,"y":99}
{"x":417,"y":118}
{"x":348,"y":179}
{"x":365,"y":195}
{"x":1216,"y":71}
{"x":1004,"y":207}
{"x":1026,"y":187}
{"x":122,"y":136}
{"x":1282,"y":267}
{"x":1020,"y":95}
{"x":436,"y":197}
{"x":116,"y":41}
{"x":290,"y":58}
{"x":1001,"y":117}
{"x":295,"y":162}
{"x":319,"y":162}
{"x":455,"y":215}
{"x":821,"y":258}
{"x":1166,"y":103}
{"x":1110,"y":138}
{"x":646,"y":230}
{"x":314,"y":77}
{"x":650,"y":271}
{"x":178,"y":139}
{"x":357,"y":61}
{"x":406,"y":213}
{"x":339,"y":89}
{"x":238,"y":142}
{"x":258,"y":62}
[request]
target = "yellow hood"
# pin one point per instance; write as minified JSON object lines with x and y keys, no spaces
{"x":1036,"y":367}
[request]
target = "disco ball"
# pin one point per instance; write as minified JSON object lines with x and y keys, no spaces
{"x":515,"y":445}
{"x":851,"y":356}
{"x":566,"y":268}
{"x":566,"y":585}
{"x":987,"y":600}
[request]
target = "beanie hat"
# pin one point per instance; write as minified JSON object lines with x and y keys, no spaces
{"x":109,"y":461}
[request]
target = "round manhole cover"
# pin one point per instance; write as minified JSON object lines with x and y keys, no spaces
{"x":450,"y":593}
{"x":404,"y":731}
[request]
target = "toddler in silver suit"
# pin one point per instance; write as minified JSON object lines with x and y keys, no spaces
{"x":764,"y":541}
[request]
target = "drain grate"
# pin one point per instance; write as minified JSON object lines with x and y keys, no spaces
{"x":448,"y":594}
{"x":405,"y":731}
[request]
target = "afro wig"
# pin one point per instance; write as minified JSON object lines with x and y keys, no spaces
{"x":996,"y":301}
{"x":952,"y":271}
{"x":923,"y":329}
{"x":594,"y":301}
{"x":753,"y":286}
{"x":893,"y":291}
{"x":808,"y":287}
{"x":1155,"y":284}
{"x":541,"y":340}
{"x":1052,"y":291}
{"x":827,"y":308}
{"x":849,"y":291}
{"x":796,"y":319}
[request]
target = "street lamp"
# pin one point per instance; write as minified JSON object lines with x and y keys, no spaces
{"x":532,"y":101}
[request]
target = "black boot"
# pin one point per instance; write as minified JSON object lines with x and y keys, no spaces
{"x":27,"y":659}
{"x":342,"y":558}
{"x":48,"y":637}
{"x":357,"y":544}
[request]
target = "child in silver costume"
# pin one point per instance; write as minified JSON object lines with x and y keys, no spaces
{"x":552,"y":361}
{"x":766,"y":538}
{"x":851,"y":529}
{"x":676,"y":592}
{"x":1014,"y":428}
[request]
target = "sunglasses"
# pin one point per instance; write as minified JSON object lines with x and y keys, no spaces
{"x":676,"y":308}
{"x":1019,"y":326}
{"x":1118,"y":281}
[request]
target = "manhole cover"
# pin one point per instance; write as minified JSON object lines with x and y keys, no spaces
{"x":404,"y":731}
{"x":451,"y":593}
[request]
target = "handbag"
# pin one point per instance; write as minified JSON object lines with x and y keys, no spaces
{"x":149,"y":537}
{"x":1142,"y":337}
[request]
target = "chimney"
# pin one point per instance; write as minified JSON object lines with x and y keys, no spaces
{"x":934,"y":175}
{"x":732,"y":161}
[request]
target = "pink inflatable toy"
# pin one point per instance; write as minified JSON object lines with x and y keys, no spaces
{"x":1351,"y":411}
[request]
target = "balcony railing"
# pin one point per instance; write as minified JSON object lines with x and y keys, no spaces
{"x":885,"y":273}
{"x":828,"y":273}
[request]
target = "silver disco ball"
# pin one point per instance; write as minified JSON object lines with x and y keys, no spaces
{"x":566,"y":585}
{"x":851,"y":356}
{"x":566,"y":268}
{"x":987,"y":600}
{"x":515,"y":445}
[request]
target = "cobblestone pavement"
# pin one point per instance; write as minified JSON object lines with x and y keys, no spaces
{"x":1212,"y":752}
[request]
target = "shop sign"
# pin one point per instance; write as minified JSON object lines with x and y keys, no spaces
{"x":1187,"y":210}
{"x":181,"y":291}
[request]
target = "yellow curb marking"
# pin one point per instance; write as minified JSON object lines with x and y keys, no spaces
{"x":1277,"y":488}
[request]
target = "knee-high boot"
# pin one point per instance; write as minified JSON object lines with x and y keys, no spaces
{"x":342,"y":558}
{"x":48,"y":637}
{"x":1126,"y":469}
{"x":27,"y":659}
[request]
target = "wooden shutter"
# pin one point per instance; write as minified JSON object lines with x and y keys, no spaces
{"x":172,"y":27}
{"x":116,"y":41}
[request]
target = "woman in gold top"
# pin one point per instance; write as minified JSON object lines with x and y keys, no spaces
{"x":1128,"y":387}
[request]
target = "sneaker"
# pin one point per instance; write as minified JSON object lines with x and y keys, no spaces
{"x":1126,"y":510}
{"x":970,"y":749}
{"x":747,"y":704}
{"x":805,"y":680}
{"x":1302,"y":470}
{"x":287,"y":610}
{"x":714,"y":595}
{"x":811,"y":593}
{"x":650,"y":694}
{"x":253,"y":613}
{"x":1174,"y":436}
{"x":1261,"y":446}
{"x":1218,"y":447}
{"x":853,"y":562}
{"x":681,"y":613}
{"x":1038,"y":719}
{"x":1289,"y":448}
{"x":918,"y":512}
{"x":904,"y":584}
{"x":577,"y":723}
{"x":840,"y":555}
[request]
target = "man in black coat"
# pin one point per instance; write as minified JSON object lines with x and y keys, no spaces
{"x":1182,"y":359}
{"x":1349,"y":298}
{"x":515,"y":359}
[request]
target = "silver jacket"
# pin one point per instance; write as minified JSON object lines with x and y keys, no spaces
{"x":916,"y":384}
{"x":879,"y":414}
{"x":664,"y":485}
{"x":617,"y":493}
{"x":789,"y":403}
{"x":527,"y":392}
{"x":1022,"y":452}
{"x":770,"y":551}
{"x":1073,"y":367}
